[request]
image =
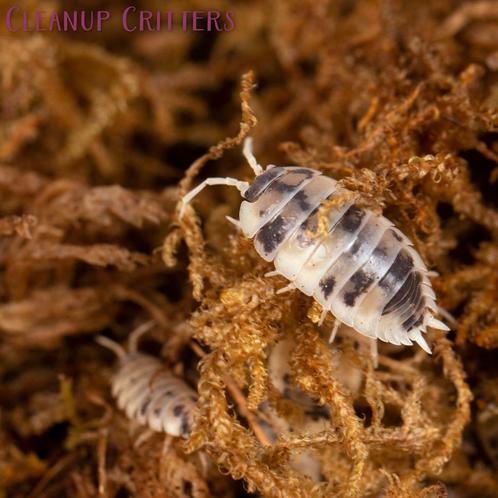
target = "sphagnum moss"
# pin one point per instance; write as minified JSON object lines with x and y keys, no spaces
{"x":396,"y":100}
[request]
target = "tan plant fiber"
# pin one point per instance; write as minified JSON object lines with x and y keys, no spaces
{"x":101,"y":134}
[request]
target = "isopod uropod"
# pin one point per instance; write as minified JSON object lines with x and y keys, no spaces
{"x":150,"y":394}
{"x":363,"y":270}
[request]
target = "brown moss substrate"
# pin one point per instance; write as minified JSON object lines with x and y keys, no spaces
{"x":397,"y":99}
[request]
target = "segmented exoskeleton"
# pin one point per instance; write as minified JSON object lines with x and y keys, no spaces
{"x":361,"y":268}
{"x":151,"y":394}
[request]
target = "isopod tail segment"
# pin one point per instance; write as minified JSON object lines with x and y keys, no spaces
{"x":354,"y":263}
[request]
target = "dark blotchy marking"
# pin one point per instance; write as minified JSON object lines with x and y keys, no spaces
{"x":360,"y":281}
{"x":286,"y":378}
{"x":397,"y":236}
{"x":362,"y":239}
{"x":145,"y":406}
{"x":304,"y":171}
{"x":318,"y":412}
{"x":401,"y":266}
{"x":380,"y":252}
{"x":302,"y":199}
{"x":272,"y":234}
{"x":308,"y":227}
{"x":327,"y":285}
{"x":351,"y":219}
{"x":185,"y":427}
{"x":261,"y":183}
{"x":193,"y":398}
{"x":178,"y":410}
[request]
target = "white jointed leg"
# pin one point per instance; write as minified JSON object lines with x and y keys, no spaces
{"x":273,"y":273}
{"x":147,"y":434}
{"x":337,"y":323}
{"x":287,"y":288}
{"x":322,"y":317}
{"x":249,"y":155}
{"x":229,"y":182}
{"x":374,"y":351}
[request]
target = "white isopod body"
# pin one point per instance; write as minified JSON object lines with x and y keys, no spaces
{"x":150,"y":394}
{"x":363,"y":269}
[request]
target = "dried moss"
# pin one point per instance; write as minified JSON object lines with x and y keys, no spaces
{"x":101,"y":135}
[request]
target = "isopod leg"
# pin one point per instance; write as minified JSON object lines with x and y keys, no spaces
{"x":374,"y":351}
{"x":287,"y":288}
{"x":147,"y":434}
{"x":337,"y":323}
{"x":322,"y":316}
{"x":273,"y":273}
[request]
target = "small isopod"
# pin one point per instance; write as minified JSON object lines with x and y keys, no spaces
{"x":363,"y":269}
{"x":150,"y":394}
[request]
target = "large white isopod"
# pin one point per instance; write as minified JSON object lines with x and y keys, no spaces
{"x":362,"y":269}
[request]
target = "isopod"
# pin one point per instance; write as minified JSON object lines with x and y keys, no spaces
{"x":363,"y":269}
{"x":150,"y":394}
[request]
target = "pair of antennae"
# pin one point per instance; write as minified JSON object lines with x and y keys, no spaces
{"x":230,"y":182}
{"x":135,"y":336}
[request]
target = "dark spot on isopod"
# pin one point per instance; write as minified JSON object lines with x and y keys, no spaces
{"x":144,"y":407}
{"x":304,"y":171}
{"x":401,"y":266}
{"x":261,"y":183}
{"x":272,"y":234}
{"x":358,"y":284}
{"x":351,"y":220}
{"x":301,"y":198}
{"x":397,"y":236}
{"x":185,"y":427}
{"x":178,"y":410}
{"x":327,"y":285}
{"x":291,"y":180}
